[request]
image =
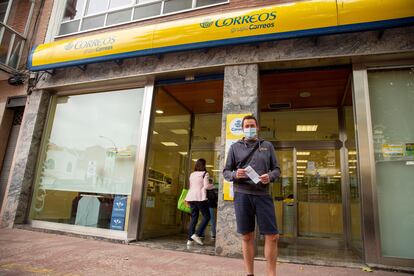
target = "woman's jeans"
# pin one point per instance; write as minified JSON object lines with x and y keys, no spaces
{"x":196,"y":207}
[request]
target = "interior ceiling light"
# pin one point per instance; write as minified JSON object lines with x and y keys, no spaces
{"x":209,"y":166}
{"x":352,"y":152}
{"x":195,"y":160}
{"x":305,"y":94}
{"x":154,"y":132}
{"x":352,"y":167}
{"x":159,"y":111}
{"x":169,"y":144}
{"x":352,"y":161}
{"x":188,"y":77}
{"x":300,"y":172}
{"x":179,"y":131}
{"x":302,"y":161}
{"x":337,"y":176}
{"x":303,"y":153}
{"x":183,"y":152}
{"x":306,"y":127}
{"x":299,"y":176}
{"x":301,"y":167}
{"x":210,"y":101}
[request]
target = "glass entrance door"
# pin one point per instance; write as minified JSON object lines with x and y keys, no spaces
{"x":307,"y":196}
{"x":167,"y":168}
{"x":319,"y":198}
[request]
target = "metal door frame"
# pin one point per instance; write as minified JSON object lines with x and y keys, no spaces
{"x":295,"y":189}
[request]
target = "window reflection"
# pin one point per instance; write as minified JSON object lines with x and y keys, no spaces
{"x":3,"y":9}
{"x":95,"y":6}
{"x":120,"y":3}
{"x":73,"y":9}
{"x":94,"y":12}
{"x":392,"y":99}
{"x":89,"y":159}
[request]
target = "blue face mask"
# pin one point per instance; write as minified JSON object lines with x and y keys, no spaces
{"x":250,"y":132}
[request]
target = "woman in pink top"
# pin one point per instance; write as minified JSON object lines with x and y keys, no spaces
{"x":197,"y":199}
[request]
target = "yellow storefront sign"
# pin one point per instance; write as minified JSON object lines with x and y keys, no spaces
{"x":296,"y":19}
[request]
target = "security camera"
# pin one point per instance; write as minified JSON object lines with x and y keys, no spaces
{"x":17,"y":79}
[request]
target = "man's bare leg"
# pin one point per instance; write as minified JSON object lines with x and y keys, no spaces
{"x":248,"y":252}
{"x":271,"y":253}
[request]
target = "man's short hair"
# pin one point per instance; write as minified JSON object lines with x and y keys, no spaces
{"x":248,"y":117}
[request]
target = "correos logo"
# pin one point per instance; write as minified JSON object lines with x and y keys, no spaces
{"x":206,"y":23}
{"x":236,"y":127}
{"x":90,"y":43}
{"x":254,"y":18}
{"x":239,"y":20}
{"x":69,"y":46}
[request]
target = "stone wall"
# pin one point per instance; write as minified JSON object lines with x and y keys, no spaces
{"x":240,"y":95}
{"x":6,"y":115}
{"x":19,"y":192}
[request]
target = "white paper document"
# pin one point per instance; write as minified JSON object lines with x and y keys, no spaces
{"x":252,"y":174}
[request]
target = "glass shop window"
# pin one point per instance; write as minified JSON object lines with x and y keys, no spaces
{"x":86,"y":172}
{"x":392,"y":99}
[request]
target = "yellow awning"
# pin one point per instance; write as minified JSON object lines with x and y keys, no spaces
{"x":289,"y":20}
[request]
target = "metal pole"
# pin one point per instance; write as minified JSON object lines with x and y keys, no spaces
{"x":295,"y":198}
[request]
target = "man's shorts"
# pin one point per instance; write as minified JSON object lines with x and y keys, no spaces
{"x":247,"y":207}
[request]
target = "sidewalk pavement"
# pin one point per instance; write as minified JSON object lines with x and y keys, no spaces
{"x":24,"y":252}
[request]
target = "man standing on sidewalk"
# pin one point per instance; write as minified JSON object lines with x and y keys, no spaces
{"x":252,"y":199}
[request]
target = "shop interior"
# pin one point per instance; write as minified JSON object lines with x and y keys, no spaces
{"x":186,"y":126}
{"x":305,"y":113}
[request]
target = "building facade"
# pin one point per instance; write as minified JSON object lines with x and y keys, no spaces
{"x":20,"y":28}
{"x":128,"y":94}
